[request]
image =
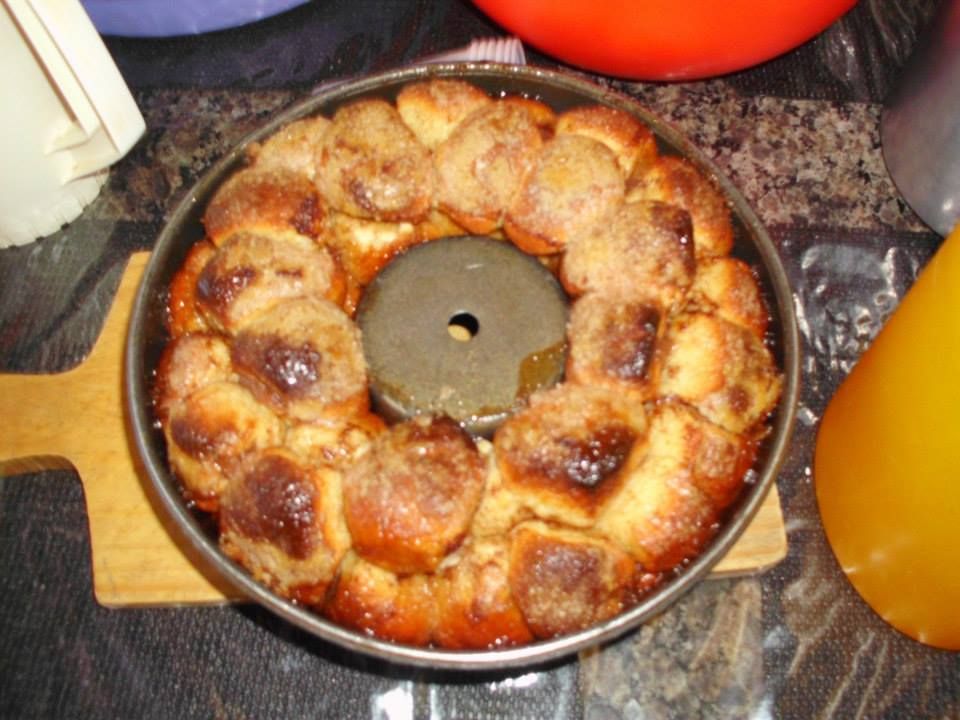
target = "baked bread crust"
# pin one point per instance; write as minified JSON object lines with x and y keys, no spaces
{"x":613,"y":343}
{"x":293,"y":147}
{"x":208,"y":434}
{"x":434,"y":108}
{"x":408,"y":501}
{"x":303,"y":358}
{"x":574,"y":185}
{"x":590,"y":495}
{"x":250,"y":273}
{"x":630,"y":140}
{"x":275,"y":201}
{"x":722,"y":369}
{"x":675,"y":180}
{"x":281,"y":518}
{"x":645,"y":251}
{"x":372,"y":166}
{"x":565,"y":453}
{"x":482,"y":163}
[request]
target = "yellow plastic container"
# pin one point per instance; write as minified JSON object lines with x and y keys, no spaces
{"x":887,"y":463}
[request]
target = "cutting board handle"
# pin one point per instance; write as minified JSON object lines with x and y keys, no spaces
{"x":76,"y":420}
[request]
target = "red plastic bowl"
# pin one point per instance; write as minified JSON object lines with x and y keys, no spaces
{"x":664,"y":39}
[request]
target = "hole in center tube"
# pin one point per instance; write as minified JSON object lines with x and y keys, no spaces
{"x":463,"y":327}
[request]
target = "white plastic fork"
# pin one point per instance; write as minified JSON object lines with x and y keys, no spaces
{"x":497,"y":49}
{"x":507,"y":50}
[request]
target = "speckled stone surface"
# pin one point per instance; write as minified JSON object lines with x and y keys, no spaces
{"x":799,"y":138}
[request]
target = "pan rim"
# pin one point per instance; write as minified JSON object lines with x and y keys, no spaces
{"x":137,"y":392}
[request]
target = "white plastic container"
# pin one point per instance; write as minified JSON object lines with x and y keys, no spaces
{"x":66,"y":115}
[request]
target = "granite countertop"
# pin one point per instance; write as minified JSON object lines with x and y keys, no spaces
{"x":799,"y":136}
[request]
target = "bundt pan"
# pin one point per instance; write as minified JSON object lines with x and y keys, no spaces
{"x":148,"y":335}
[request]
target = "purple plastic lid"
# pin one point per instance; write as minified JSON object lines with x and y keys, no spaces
{"x":164,"y":18}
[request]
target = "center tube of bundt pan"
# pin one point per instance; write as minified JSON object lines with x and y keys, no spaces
{"x":463,"y":326}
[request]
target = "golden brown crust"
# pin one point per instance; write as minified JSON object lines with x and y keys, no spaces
{"x":208,"y":434}
{"x":500,"y":507}
{"x":336,"y":441}
{"x":188,"y":363}
{"x":372,"y":166}
{"x":717,"y":459}
{"x":575,"y":184}
{"x":659,"y":515}
{"x":408,"y":501}
{"x":722,"y":369}
{"x":251,"y":273}
{"x":438,"y":225}
{"x":677,"y":181}
{"x":565,"y":581}
{"x":481,"y":165}
{"x":631,"y":141}
{"x":281,"y":518}
{"x":613,"y":343}
{"x":377,"y":602}
{"x":432,"y":109}
{"x":476,"y":608}
{"x":364,"y":247}
{"x":566,"y":453}
{"x":271,"y":200}
{"x":304,"y":359}
{"x":728,"y":287}
{"x":293,"y":147}
{"x":542,"y":114}
{"x":183,"y":315}
{"x":644,"y":251}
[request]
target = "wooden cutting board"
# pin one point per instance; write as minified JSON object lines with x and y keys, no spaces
{"x":76,"y":419}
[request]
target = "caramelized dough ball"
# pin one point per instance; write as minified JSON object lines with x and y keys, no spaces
{"x":271,"y":200}
{"x":335,"y":441}
{"x":728,"y":287}
{"x":500,"y":507}
{"x":409,"y":500}
{"x":568,"y":450}
{"x":377,"y":602}
{"x":542,"y":114}
{"x":575,"y":184}
{"x":281,"y":519}
{"x":631,"y":141}
{"x":722,"y":369}
{"x":475,"y":606}
{"x":182,"y":311}
{"x":481,"y":165}
{"x":666,"y":510}
{"x":717,"y":459}
{"x":433,"y":108}
{"x":613,"y":343}
{"x":293,"y":147}
{"x":251,"y":273}
{"x":366,"y":246}
{"x":303,"y":358}
{"x":438,"y":225}
{"x":677,"y":181}
{"x":210,"y":431}
{"x":565,"y":581}
{"x":372,"y":166}
{"x":188,"y":363}
{"x":645,"y":251}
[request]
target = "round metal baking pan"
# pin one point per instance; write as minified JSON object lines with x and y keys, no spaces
{"x":147,"y":338}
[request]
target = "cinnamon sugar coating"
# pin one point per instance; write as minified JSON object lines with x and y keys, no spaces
{"x":590,"y":495}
